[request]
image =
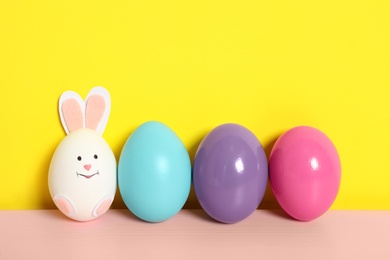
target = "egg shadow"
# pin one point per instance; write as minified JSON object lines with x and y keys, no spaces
{"x":279,"y":213}
{"x":45,"y":201}
{"x":192,"y":202}
{"x":202,"y":215}
{"x":130,"y":215}
{"x":269,"y":201}
{"x":57,"y":215}
{"x":118,"y":202}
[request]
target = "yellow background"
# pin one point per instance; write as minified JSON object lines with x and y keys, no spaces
{"x":268,"y":65}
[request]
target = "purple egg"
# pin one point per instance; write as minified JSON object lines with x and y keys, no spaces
{"x":230,"y":173}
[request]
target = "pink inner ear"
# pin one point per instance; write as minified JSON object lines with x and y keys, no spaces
{"x":72,"y":114}
{"x":94,"y":111}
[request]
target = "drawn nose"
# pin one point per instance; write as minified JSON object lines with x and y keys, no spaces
{"x":87,"y":167}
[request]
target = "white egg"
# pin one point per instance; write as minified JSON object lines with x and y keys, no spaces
{"x":83,"y":173}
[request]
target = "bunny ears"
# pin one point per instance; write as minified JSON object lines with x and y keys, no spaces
{"x":93,"y":113}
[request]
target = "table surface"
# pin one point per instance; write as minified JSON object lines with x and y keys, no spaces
{"x":191,"y":234}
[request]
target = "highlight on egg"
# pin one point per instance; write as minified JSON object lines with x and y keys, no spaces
{"x":230,"y":173}
{"x":154,"y":172}
{"x":304,"y":172}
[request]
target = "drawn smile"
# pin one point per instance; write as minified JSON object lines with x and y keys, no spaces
{"x":87,"y":176}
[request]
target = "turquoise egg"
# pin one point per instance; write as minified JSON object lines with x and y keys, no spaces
{"x":154,"y":172}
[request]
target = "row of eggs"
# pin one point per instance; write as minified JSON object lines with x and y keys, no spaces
{"x":230,"y":173}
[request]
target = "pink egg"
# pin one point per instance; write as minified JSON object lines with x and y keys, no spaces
{"x":305,"y":172}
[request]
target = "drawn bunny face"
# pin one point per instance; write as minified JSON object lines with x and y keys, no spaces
{"x":82,"y":173}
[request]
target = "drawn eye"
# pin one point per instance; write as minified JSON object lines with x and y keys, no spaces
{"x":79,"y":158}
{"x":95,"y":156}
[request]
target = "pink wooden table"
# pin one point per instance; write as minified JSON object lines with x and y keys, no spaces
{"x":46,"y":234}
